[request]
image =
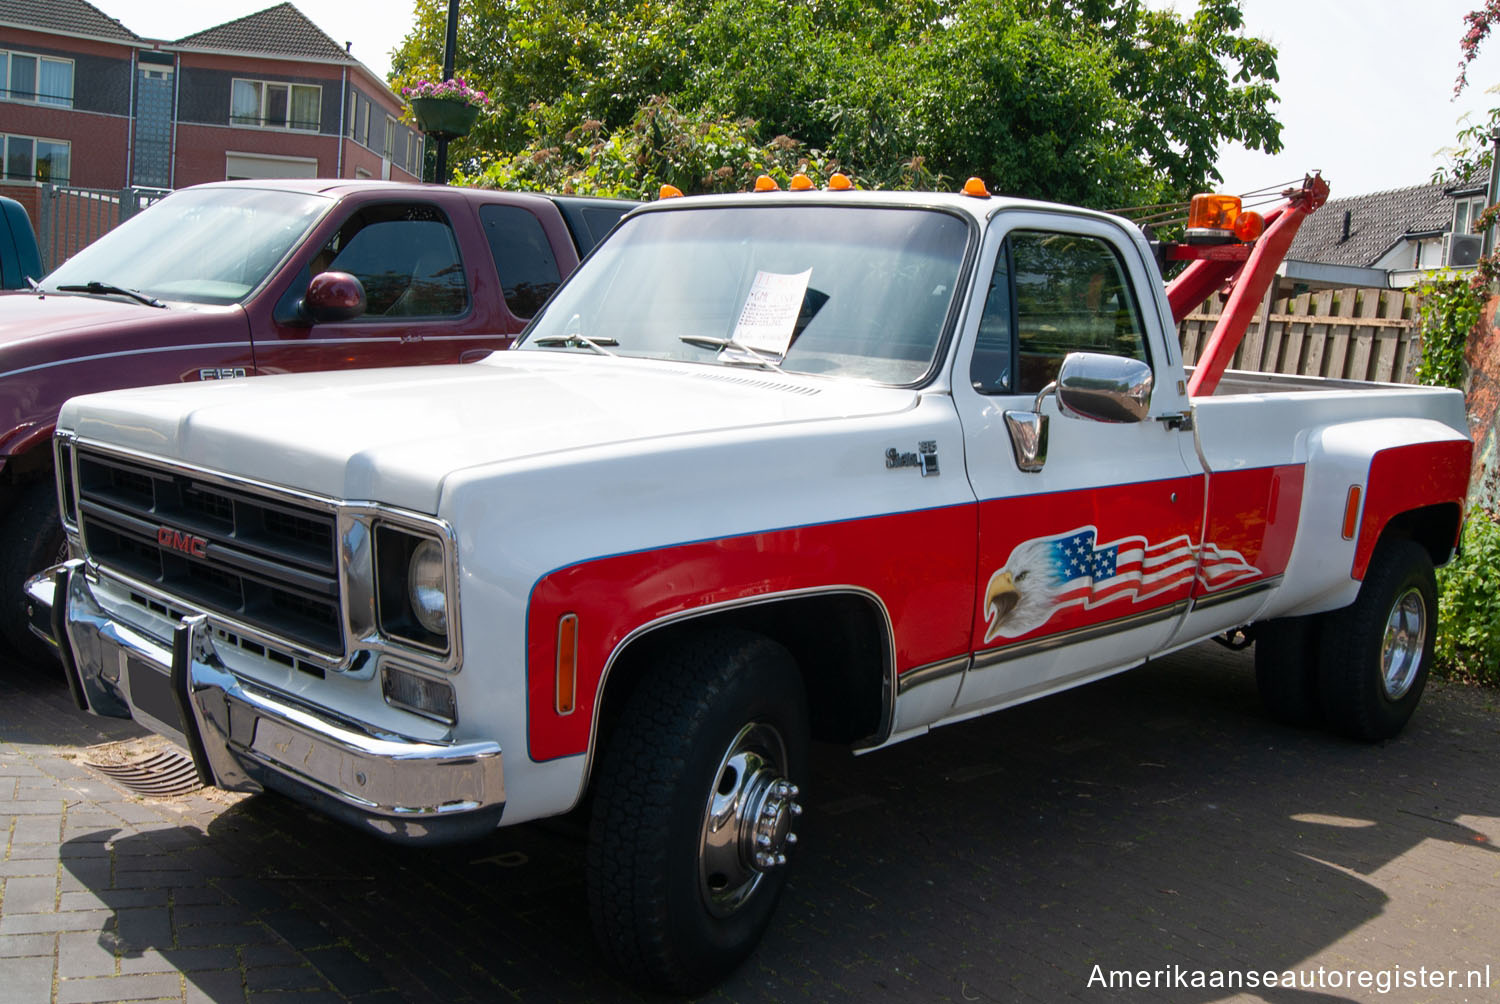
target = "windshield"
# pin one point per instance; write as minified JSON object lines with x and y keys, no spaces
{"x":858,"y":292}
{"x":201,"y":245}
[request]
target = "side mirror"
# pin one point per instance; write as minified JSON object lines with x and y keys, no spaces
{"x":1105,"y":388}
{"x":1088,"y":385}
{"x":332,"y":296}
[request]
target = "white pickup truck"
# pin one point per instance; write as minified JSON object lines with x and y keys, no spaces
{"x":767,"y":468}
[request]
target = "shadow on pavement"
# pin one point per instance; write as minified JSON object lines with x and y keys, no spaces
{"x":1150,"y":821}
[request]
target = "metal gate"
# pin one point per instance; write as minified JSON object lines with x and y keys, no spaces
{"x":71,"y":217}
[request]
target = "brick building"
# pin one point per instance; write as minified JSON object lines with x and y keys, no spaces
{"x":85,"y":101}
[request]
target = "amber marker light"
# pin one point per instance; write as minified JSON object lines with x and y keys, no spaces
{"x":766,"y":183}
{"x":1213,"y":212}
{"x":800,"y":183}
{"x":839,"y":182}
{"x":1249,"y":225}
{"x":567,"y":663}
{"x":669,"y":192}
{"x":1351,"y":513}
{"x":975,"y":187}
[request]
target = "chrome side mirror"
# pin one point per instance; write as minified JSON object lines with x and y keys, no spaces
{"x":1089,"y":385}
{"x":1105,"y":388}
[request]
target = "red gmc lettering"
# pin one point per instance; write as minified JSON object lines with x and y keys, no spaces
{"x":184,"y":542}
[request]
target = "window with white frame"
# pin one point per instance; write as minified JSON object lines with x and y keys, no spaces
{"x":44,"y":80}
{"x":406,"y":162}
{"x":30,"y":158}
{"x":390,"y":139}
{"x":265,"y":104}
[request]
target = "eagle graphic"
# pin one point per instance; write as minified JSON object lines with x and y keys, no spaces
{"x":1024,"y":593}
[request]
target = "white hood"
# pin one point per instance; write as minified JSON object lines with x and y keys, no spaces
{"x":393,"y":435}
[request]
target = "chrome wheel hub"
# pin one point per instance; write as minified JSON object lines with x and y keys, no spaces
{"x":1401,"y":649}
{"x":748,"y":820}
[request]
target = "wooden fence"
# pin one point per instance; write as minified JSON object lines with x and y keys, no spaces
{"x":1354,"y":334}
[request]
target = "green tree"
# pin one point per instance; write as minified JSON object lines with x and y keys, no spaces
{"x":1096,"y":101}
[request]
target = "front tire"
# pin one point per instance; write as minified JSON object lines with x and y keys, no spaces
{"x":1376,"y":652}
{"x":694,"y":810}
{"x":31,"y":540}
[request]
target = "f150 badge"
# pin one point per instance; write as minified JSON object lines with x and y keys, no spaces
{"x":925,"y":459}
{"x":222,"y":373}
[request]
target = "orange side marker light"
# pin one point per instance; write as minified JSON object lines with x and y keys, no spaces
{"x":1351,"y":513}
{"x":567,"y":663}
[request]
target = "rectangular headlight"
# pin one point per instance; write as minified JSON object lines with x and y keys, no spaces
{"x":411,"y":587}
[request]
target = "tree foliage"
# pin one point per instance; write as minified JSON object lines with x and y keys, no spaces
{"x":1096,"y":101}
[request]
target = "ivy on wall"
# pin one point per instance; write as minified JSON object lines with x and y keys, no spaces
{"x":1450,"y":308}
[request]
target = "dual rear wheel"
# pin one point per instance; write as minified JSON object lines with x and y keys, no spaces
{"x":1360,"y":670}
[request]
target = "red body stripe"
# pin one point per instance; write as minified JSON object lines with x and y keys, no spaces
{"x":920,"y":564}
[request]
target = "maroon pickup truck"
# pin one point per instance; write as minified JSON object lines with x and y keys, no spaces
{"x":236,"y":279}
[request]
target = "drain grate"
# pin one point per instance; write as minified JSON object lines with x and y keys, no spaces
{"x":163,"y":773}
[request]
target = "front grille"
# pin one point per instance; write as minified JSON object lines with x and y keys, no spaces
{"x":267,"y":562}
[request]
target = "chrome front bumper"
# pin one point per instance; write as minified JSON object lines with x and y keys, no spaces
{"x":243,"y":737}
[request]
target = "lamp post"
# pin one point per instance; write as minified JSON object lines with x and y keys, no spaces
{"x":450,"y":49}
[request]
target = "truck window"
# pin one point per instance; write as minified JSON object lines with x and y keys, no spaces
{"x":524,"y":262}
{"x":989,"y":370}
{"x":1071,"y":295}
{"x":406,"y":258}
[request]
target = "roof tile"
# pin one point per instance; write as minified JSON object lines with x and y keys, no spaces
{"x":1376,"y":222}
{"x":74,"y":17}
{"x":282,"y":30}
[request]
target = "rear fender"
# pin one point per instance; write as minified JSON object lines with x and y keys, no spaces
{"x":1398,"y":465}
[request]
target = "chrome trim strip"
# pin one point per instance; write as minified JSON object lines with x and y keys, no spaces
{"x":932,"y":671}
{"x":888,"y":688}
{"x":1236,"y":593}
{"x":354,"y":525}
{"x":243,"y":346}
{"x":991,"y":658}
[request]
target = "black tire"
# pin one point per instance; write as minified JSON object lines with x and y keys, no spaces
{"x":31,"y":539}
{"x":1286,"y":669}
{"x":673,"y":908}
{"x":1375,"y":653}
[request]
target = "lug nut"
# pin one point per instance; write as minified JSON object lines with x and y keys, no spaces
{"x":791,"y":838}
{"x":795,"y":809}
{"x":763,"y":840}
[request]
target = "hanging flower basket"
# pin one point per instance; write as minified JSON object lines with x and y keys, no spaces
{"x":444,"y":119}
{"x":445,"y":110}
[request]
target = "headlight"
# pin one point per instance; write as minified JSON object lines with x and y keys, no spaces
{"x":427,"y":587}
{"x":411,"y":587}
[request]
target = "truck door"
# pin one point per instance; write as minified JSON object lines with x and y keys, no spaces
{"x":421,"y":304}
{"x":1086,"y":565}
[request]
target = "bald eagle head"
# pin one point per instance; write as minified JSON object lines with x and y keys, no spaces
{"x":1021,"y":596}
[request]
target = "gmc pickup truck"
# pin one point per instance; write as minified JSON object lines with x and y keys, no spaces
{"x":768,"y":468}
{"x":228,"y":280}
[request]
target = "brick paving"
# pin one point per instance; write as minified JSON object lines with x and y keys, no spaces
{"x":1154,"y":820}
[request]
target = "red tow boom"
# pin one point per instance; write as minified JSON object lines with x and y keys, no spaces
{"x":1214,"y":265}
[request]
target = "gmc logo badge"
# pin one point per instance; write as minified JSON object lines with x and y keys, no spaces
{"x":176,"y":540}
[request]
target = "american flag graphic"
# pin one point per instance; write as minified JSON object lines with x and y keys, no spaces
{"x":1093,"y":574}
{"x":1046,"y":574}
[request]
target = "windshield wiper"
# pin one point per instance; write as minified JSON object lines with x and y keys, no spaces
{"x":106,"y":288}
{"x":754,"y":358}
{"x":577,"y":341}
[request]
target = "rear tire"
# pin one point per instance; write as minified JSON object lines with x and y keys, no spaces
{"x":693,"y":810}
{"x":1286,"y":669}
{"x":1375,"y":653}
{"x":31,"y":539}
